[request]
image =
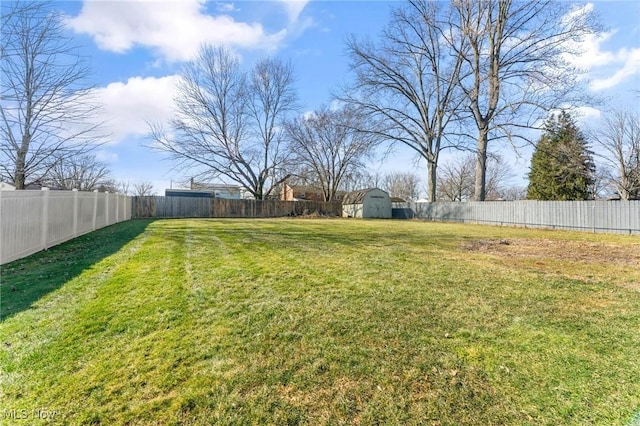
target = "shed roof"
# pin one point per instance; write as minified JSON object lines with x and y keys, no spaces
{"x":357,"y":197}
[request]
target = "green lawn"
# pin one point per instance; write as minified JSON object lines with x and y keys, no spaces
{"x":327,"y":321}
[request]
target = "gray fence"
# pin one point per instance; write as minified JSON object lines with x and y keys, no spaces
{"x":31,"y":221}
{"x":593,"y":216}
{"x":184,"y":207}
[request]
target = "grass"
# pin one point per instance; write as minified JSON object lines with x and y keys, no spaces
{"x":322,"y":321}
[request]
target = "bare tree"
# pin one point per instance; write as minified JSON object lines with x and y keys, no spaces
{"x":272,"y":99}
{"x":361,"y":178}
{"x":514,"y":192}
{"x":84,"y":173}
{"x":457,"y":179}
{"x":619,"y":139}
{"x":402,"y":184}
{"x":499,"y":175}
{"x":227,"y":124}
{"x":603,"y":182}
{"x":46,"y":108}
{"x":122,"y":187}
{"x":516,"y":66}
{"x":142,"y":188}
{"x":407,"y":84}
{"x":328,"y":144}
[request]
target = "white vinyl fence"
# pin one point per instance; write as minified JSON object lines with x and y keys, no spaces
{"x":594,"y":216}
{"x":31,"y":221}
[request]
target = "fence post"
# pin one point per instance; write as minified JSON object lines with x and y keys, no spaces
{"x":106,"y":208}
{"x":45,"y":218}
{"x":95,"y":208}
{"x":117,"y":208}
{"x":75,"y":212}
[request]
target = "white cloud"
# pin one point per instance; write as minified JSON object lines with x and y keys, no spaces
{"x":586,"y":115}
{"x":173,"y":28}
{"x":591,"y":54}
{"x":225,"y":7}
{"x":106,"y":156}
{"x":129,"y":107}
{"x":605,"y":68}
{"x":577,"y":12}
{"x":630,"y":58}
{"x":294,"y":8}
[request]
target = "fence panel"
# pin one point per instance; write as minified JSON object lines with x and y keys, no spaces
{"x":100,"y":215}
{"x":31,"y":221}
{"x":86,"y":205}
{"x":594,"y":216}
{"x":192,"y":207}
{"x":21,"y":220}
{"x":60,"y":217}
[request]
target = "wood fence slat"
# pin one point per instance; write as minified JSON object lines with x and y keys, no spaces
{"x":187,"y":207}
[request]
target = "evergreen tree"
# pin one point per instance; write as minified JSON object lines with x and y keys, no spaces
{"x":562,"y":166}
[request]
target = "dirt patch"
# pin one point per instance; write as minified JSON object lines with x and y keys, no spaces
{"x":575,"y":251}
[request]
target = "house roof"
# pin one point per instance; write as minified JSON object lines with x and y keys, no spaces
{"x":309,"y":188}
{"x":305,"y":188}
{"x":214,"y":187}
{"x":4,"y":186}
{"x":357,"y":197}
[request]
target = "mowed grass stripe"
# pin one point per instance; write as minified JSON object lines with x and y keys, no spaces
{"x":329,"y":322}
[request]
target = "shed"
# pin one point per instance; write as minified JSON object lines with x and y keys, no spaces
{"x":367,"y":203}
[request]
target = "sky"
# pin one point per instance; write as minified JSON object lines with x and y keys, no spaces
{"x":137,"y":48}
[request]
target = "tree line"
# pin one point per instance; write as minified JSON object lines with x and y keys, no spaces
{"x":464,"y":77}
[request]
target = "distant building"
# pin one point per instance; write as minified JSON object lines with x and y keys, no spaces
{"x":219,"y":191}
{"x":206,"y":190}
{"x":4,"y":186}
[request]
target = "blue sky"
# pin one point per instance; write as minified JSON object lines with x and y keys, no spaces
{"x":137,"y":48}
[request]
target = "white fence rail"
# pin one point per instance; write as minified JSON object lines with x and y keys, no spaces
{"x":31,"y":221}
{"x":593,"y":216}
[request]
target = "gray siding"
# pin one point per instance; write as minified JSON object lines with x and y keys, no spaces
{"x":594,"y":216}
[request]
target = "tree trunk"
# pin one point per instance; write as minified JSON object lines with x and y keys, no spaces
{"x":19,"y":174}
{"x":481,"y":166}
{"x":624,"y":187}
{"x":431,"y":171}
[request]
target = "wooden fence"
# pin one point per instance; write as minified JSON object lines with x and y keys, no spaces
{"x":187,"y":207}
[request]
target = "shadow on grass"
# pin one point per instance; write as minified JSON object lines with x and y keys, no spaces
{"x":24,"y":281}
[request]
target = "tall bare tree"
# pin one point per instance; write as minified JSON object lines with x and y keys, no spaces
{"x":361,"y":178}
{"x":120,"y":186}
{"x":46,"y":107}
{"x":142,"y":188}
{"x":227,"y":123}
{"x":328,"y":144}
{"x":407,"y":83}
{"x":84,"y":173}
{"x":272,"y":99}
{"x":619,"y":140}
{"x":403,"y":185}
{"x":457,"y":179}
{"x":516,"y":66}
